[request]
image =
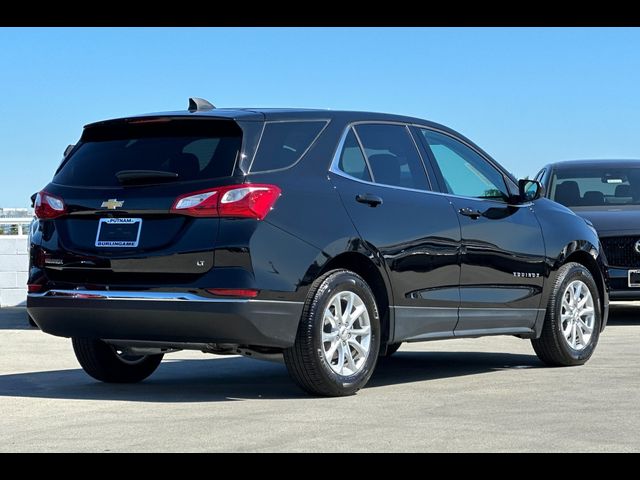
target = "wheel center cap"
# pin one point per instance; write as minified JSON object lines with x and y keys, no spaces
{"x":344,"y":333}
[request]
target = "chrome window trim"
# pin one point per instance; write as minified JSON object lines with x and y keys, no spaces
{"x":326,"y":121}
{"x":147,"y":296}
{"x":349,"y":177}
{"x":333,"y":167}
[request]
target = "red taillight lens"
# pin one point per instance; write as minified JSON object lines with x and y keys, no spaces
{"x":33,"y":288}
{"x":239,"y":201}
{"x":233,"y":292}
{"x":251,"y":201}
{"x":49,"y":206}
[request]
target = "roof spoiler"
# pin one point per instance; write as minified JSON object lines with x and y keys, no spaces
{"x":199,"y":104}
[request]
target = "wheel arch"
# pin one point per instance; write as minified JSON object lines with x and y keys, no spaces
{"x":587,"y":261}
{"x":370,"y":272}
{"x":587,"y":253}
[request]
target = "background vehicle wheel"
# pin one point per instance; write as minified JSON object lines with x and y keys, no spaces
{"x":106,"y":363}
{"x":572,"y":323}
{"x":391,"y":349}
{"x":338,"y":339}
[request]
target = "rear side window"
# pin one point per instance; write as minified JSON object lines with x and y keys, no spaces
{"x":283,"y":144}
{"x":392,"y":156}
{"x":152,"y":152}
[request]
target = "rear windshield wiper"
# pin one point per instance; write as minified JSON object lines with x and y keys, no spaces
{"x":141,"y":177}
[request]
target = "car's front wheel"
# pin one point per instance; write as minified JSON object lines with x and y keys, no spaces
{"x":573,"y":319}
{"x":338,"y":339}
{"x":107,"y":363}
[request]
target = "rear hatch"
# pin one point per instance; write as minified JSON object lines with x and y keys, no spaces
{"x":118,"y":189}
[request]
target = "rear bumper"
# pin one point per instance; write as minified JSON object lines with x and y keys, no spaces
{"x":170,"y":317}
{"x":621,"y":295}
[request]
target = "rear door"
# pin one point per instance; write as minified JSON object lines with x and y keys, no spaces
{"x":414,"y":232}
{"x":119,"y":185}
{"x":502,"y":258}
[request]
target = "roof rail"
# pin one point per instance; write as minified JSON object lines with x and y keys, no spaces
{"x":199,"y":104}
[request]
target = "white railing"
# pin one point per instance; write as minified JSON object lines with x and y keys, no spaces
{"x":21,"y":222}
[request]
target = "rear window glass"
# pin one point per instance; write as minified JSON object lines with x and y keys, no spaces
{"x":150,"y":153}
{"x":283,"y":143}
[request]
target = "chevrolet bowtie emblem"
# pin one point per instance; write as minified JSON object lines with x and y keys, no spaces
{"x":112,"y":204}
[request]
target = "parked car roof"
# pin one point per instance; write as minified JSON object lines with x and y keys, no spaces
{"x":613,"y":163}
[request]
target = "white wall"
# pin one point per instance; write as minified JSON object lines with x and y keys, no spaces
{"x":14,"y":263}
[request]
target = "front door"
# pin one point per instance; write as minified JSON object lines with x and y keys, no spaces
{"x":502,"y":257}
{"x":383,"y":184}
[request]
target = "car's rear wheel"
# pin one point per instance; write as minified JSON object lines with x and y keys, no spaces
{"x":572,"y":324}
{"x":107,"y":363}
{"x":338,"y":339}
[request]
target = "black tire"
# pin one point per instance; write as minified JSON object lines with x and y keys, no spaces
{"x":103,"y":363}
{"x":552,"y":347}
{"x":306,"y":360}
{"x":391,"y":349}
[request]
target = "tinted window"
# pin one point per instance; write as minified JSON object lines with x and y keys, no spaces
{"x":193,"y":150}
{"x":593,"y":186}
{"x":464,"y":171}
{"x":283,"y":143}
{"x":392,"y":156}
{"x":352,"y":160}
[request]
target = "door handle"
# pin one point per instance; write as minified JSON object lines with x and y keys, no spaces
{"x":473,"y":214}
{"x":369,"y":199}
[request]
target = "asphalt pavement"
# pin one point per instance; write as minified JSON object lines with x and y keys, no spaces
{"x":489,"y":394}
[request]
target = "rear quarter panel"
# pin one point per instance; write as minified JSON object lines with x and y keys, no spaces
{"x":308,"y":225}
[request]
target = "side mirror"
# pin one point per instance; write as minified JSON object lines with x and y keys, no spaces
{"x":530,"y":190}
{"x":67,"y":150}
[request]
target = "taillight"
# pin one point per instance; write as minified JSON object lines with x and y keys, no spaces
{"x":199,"y":204}
{"x":239,"y":201}
{"x":48,"y":206}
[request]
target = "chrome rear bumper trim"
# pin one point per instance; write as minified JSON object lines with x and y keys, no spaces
{"x":146,"y":296}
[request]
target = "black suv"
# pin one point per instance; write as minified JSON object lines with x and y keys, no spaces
{"x":325,"y":237}
{"x":607,"y":193}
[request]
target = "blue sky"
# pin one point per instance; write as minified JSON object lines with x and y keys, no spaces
{"x":525,"y":95}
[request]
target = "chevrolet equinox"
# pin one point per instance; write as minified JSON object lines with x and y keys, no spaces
{"x":326,"y":238}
